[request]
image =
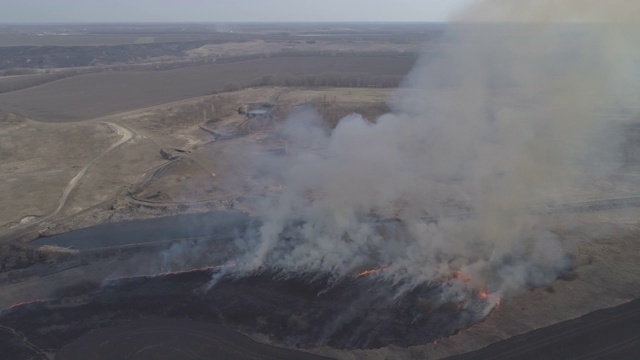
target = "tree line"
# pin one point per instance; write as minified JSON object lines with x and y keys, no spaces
{"x":328,"y":79}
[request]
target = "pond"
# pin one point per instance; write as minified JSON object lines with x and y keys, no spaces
{"x":216,"y":224}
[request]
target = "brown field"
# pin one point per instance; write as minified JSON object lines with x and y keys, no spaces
{"x":95,"y":95}
{"x":9,"y":83}
{"x":19,"y":82}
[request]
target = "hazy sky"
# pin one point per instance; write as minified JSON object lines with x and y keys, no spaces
{"x":19,"y":11}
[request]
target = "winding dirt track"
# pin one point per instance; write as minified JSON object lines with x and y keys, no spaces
{"x":173,"y":340}
{"x":126,"y":136}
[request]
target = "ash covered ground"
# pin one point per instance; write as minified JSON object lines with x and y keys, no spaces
{"x":304,"y":310}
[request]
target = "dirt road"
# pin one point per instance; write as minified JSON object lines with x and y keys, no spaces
{"x":73,"y":183}
{"x":126,"y":136}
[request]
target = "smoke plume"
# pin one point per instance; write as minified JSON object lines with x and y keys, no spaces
{"x":517,"y":109}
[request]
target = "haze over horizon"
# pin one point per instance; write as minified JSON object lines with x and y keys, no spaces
{"x":89,"y":11}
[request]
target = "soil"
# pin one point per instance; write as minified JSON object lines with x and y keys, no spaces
{"x":95,"y":95}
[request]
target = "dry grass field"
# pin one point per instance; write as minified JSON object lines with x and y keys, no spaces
{"x":12,"y":83}
{"x":39,"y":159}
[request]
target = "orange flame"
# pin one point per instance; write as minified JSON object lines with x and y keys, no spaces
{"x":24,"y":303}
{"x":371,"y":272}
{"x":458,"y":276}
{"x":495,"y":299}
{"x":483,"y":294}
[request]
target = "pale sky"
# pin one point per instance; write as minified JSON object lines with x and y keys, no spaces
{"x":55,"y":11}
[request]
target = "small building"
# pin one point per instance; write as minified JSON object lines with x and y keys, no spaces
{"x":256,"y":113}
{"x":256,"y":110}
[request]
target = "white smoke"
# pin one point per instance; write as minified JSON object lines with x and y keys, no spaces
{"x":551,"y":11}
{"x":503,"y":119}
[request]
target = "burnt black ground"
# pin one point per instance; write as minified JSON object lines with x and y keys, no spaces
{"x":301,"y":311}
{"x":164,"y":339}
{"x":612,"y":333}
{"x":296,"y":310}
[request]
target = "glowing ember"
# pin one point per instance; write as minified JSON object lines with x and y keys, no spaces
{"x":483,"y":293}
{"x":491,"y":298}
{"x":371,"y":272}
{"x":24,"y":303}
{"x":457,"y":275}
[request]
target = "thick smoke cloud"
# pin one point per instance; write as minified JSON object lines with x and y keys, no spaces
{"x":502,"y":121}
{"x":554,"y":11}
